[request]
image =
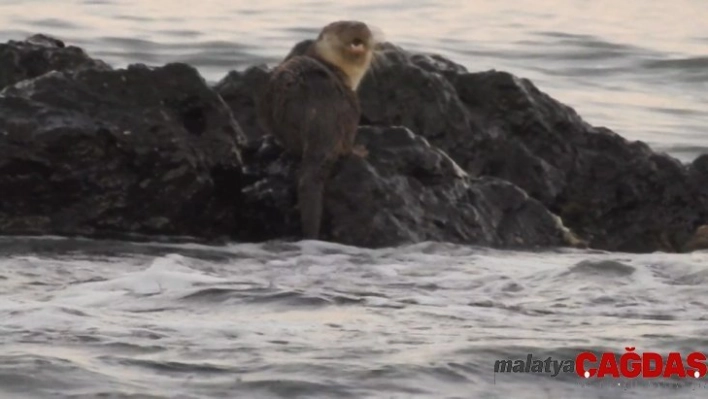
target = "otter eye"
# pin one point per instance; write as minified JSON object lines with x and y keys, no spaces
{"x":357,"y":42}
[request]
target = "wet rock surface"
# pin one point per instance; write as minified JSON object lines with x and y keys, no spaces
{"x":404,"y":191}
{"x":698,"y":173}
{"x":239,"y":89}
{"x":39,"y":54}
{"x":103,"y":152}
{"x":409,"y":191}
{"x":481,"y":158}
{"x":615,"y":193}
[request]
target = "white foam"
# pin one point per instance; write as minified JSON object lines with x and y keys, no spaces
{"x":164,"y":276}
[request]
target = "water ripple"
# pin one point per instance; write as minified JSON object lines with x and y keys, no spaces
{"x":326,"y":320}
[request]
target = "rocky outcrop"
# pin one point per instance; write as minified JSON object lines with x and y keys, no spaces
{"x":477,"y":158}
{"x":410,"y":191}
{"x":39,"y":54}
{"x":239,"y":90}
{"x":615,"y":193}
{"x":88,"y":150}
{"x":97,"y":152}
{"x":404,"y":191}
{"x":698,"y":173}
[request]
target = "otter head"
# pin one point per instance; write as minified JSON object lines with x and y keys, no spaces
{"x":350,"y":46}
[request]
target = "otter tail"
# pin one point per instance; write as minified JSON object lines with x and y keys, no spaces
{"x":315,"y":116}
{"x":311,"y":186}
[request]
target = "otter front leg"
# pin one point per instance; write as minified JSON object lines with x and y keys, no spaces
{"x":310,"y":191}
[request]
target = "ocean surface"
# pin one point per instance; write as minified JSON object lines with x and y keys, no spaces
{"x":103,"y":319}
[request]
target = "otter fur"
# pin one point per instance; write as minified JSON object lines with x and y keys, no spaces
{"x":311,"y":107}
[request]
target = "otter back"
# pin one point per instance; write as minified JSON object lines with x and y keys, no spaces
{"x":309,"y":109}
{"x":306,"y":105}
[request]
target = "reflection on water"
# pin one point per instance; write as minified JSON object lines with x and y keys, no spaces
{"x":638,"y":67}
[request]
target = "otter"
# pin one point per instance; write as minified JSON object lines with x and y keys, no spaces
{"x":310,"y":106}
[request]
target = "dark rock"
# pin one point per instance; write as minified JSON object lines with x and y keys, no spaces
{"x":101,"y":152}
{"x":437,"y":64}
{"x":405,"y":191}
{"x":699,"y":241}
{"x":389,"y":54}
{"x":239,"y":90}
{"x":38,"y":55}
{"x":409,"y":191}
{"x":89,"y":150}
{"x":698,"y":172}
{"x":615,"y":193}
{"x":299,"y":49}
{"x":268,"y":201}
{"x":402,"y":91}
